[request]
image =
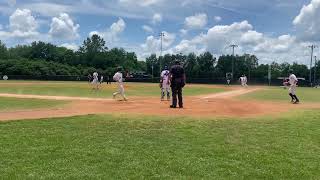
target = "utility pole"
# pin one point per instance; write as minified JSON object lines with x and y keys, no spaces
{"x":160,"y":58}
{"x":315,"y":70}
{"x":312,"y":47}
{"x":233,"y":46}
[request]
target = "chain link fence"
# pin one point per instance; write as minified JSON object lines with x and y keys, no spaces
{"x":252,"y":81}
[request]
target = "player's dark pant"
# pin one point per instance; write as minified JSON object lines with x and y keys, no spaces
{"x":177,"y":91}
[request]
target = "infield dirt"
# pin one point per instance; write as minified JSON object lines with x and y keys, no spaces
{"x":216,"y":105}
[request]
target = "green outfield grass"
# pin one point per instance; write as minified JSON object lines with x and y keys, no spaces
{"x":20,"y":104}
{"x":280,"y":94}
{"x":124,"y":147}
{"x":85,"y":90}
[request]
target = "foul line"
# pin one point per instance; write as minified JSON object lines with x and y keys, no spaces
{"x":66,"y":98}
{"x":230,"y":94}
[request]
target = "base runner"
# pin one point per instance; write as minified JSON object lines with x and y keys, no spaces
{"x":165,"y":83}
{"x":243,"y":80}
{"x":119,"y":79}
{"x":95,"y":81}
{"x":293,"y":86}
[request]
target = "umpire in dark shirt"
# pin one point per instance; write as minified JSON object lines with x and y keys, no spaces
{"x":178,"y":81}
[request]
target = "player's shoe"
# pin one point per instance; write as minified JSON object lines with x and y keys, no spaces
{"x":172,"y":106}
{"x":296,"y":102}
{"x":125,"y":99}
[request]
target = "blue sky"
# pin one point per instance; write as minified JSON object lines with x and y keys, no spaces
{"x":274,"y":30}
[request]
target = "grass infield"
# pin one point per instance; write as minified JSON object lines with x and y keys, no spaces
{"x":79,"y":89}
{"x":280,"y":94}
{"x":21,"y":104}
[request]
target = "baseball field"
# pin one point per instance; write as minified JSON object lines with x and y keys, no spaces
{"x":66,"y":130}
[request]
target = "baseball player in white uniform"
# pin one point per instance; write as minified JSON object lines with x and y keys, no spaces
{"x":293,"y":80}
{"x":95,"y":81}
{"x":101,"y":79}
{"x":119,"y":79}
{"x":243,"y":80}
{"x":165,"y":83}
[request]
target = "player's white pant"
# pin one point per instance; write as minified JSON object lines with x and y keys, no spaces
{"x":293,"y":89}
{"x":95,"y":84}
{"x":165,"y":90}
{"x":244,"y":84}
{"x":120,"y":91}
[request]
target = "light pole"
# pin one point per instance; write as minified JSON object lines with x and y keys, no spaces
{"x":250,"y":64}
{"x":160,"y":58}
{"x":152,"y":69}
{"x":269,"y":74}
{"x":315,"y":70}
{"x":233,"y":46}
{"x":312,"y":47}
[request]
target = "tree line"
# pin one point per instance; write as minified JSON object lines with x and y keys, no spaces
{"x":40,"y":58}
{"x":207,"y":66}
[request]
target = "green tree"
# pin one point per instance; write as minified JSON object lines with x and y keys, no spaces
{"x":20,"y":51}
{"x":152,"y":62}
{"x":3,"y":51}
{"x":191,"y":66}
{"x":206,"y":63}
{"x":93,"y":44}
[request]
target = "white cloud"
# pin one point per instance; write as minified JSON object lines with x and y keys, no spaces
{"x":188,"y":46}
{"x":197,"y":21}
{"x":22,"y":25}
{"x":218,"y":37}
{"x":23,"y":21}
{"x":307,"y":22}
{"x":282,"y":44}
{"x":113,"y":32}
{"x":85,"y":7}
{"x":63,"y":27}
{"x":183,"y":32}
{"x":147,"y":29}
{"x":157,"y":18}
{"x":50,"y":9}
{"x":118,"y":27}
{"x":251,"y":37}
{"x":217,"y":18}
{"x":1,"y":27}
{"x":153,"y":44}
{"x":268,"y":49}
{"x":12,"y":2}
{"x":141,"y":2}
{"x":71,"y":46}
